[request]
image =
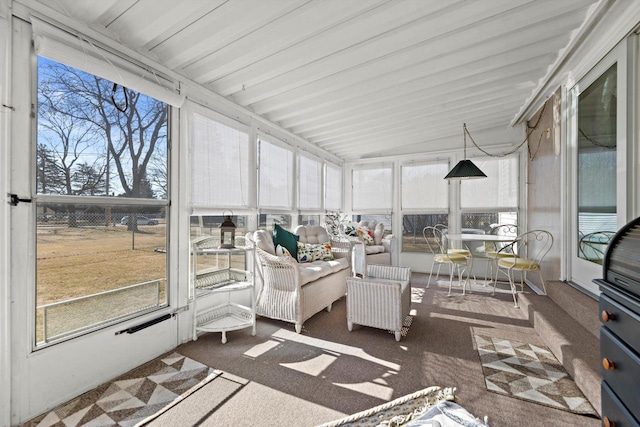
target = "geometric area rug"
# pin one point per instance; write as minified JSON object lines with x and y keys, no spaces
{"x":134,"y":398}
{"x":529,"y":372}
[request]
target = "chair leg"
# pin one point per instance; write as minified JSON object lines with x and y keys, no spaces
{"x":544,"y":288}
{"x":349,"y":326}
{"x":464,"y":283}
{"x":398,"y":335}
{"x":450,"y":280}
{"x":513,"y":288}
{"x":431,"y":273}
{"x":488,"y":272}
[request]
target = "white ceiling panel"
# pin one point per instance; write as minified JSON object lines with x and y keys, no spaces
{"x":358,"y":78}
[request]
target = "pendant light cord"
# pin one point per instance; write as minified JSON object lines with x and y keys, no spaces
{"x":529,"y":132}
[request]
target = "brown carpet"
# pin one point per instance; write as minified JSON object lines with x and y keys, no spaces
{"x":280,"y":378}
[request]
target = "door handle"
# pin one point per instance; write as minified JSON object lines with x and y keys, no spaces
{"x":14,"y":200}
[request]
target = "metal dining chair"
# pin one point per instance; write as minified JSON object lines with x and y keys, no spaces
{"x":436,"y":241}
{"x":460,"y":251}
{"x":531,"y":248}
{"x":592,"y":246}
{"x":496,"y":250}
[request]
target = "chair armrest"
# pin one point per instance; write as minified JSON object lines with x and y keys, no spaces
{"x":341,"y":248}
{"x":281,"y":272}
{"x":389,"y":272}
{"x":390,"y":244}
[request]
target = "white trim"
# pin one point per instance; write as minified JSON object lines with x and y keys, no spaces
{"x":78,"y":51}
{"x":5,"y":250}
{"x":611,"y":21}
{"x":535,"y":101}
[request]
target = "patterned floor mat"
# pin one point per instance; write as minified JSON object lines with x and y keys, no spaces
{"x":135,"y":398}
{"x":529,"y":372}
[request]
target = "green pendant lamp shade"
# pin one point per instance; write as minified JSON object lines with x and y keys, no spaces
{"x":465,"y":169}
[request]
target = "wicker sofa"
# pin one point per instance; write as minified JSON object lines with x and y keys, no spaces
{"x":293,"y":291}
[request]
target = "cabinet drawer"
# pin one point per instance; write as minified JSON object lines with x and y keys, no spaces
{"x":623,"y":375}
{"x":621,"y":321}
{"x":614,"y":410}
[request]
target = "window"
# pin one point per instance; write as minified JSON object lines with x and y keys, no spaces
{"x":425,"y":201}
{"x":372,"y":188}
{"x":275,"y":175}
{"x":98,"y":260}
{"x":204,"y":226}
{"x":333,"y":187}
{"x":309,"y":183}
{"x":309,"y":220}
{"x":490,"y":201}
{"x":266,"y":221}
{"x":597,"y":159}
{"x":219,"y":161}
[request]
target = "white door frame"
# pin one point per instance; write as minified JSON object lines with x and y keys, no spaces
{"x":581,"y":272}
{"x":42,"y":379}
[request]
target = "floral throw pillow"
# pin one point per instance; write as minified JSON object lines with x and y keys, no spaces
{"x":282,"y":251}
{"x":360,"y":232}
{"x":309,"y":252}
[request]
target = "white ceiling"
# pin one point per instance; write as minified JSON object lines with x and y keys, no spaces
{"x":358,"y":78}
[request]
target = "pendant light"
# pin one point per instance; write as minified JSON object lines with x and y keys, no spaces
{"x":465,"y":169}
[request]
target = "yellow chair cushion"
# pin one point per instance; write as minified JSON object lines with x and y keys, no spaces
{"x":459,"y":251}
{"x":518,"y":263}
{"x":494,"y":254}
{"x":450,"y":258}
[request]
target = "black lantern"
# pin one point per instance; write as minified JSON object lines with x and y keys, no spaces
{"x":227,"y":233}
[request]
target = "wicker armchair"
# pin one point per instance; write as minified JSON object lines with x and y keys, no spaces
{"x":380,"y":300}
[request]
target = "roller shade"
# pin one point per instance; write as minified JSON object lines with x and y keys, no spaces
{"x":498,"y":191}
{"x":219,"y":161}
{"x":423,"y":186}
{"x":372,"y":188}
{"x":275,"y":189}
{"x":80,"y":52}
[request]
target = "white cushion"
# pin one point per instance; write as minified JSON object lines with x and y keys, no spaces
{"x":311,"y":271}
{"x":373,"y":249}
{"x":378,"y":233}
{"x":312,"y":234}
{"x":264,"y":241}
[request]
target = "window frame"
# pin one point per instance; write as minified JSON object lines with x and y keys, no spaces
{"x":105,"y":201}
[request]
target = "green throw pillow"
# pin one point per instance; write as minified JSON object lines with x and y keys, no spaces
{"x":287,"y":239}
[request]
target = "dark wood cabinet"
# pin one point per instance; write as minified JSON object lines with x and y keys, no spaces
{"x":620,"y":330}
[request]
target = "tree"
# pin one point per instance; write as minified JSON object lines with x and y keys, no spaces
{"x":91,"y":124}
{"x":50,"y":178}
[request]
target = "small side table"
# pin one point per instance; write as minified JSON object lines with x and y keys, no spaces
{"x":228,"y":315}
